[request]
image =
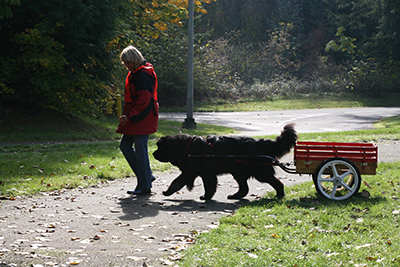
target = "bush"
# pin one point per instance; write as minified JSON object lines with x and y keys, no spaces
{"x":374,"y":79}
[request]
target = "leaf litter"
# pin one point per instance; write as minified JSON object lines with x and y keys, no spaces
{"x":65,"y":221}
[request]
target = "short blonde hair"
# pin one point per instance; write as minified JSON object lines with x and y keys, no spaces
{"x":132,"y":54}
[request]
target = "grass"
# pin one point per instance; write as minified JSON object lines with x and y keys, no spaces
{"x":304,"y":229}
{"x":307,"y":102}
{"x":34,"y":168}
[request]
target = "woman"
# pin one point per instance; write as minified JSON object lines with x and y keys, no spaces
{"x":140,"y":116}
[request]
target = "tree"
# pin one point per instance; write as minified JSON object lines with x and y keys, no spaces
{"x":5,"y":8}
{"x":53,"y":53}
{"x":63,"y":54}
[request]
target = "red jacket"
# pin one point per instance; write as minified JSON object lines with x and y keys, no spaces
{"x":141,"y":106}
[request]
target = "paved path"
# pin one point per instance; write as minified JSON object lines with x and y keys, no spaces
{"x":103,"y":226}
{"x":272,"y":122}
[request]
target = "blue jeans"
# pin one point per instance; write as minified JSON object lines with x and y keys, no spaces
{"x":138,"y":158}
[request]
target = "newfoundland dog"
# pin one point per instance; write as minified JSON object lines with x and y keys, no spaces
{"x":215,"y":155}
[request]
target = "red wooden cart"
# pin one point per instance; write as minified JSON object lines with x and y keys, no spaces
{"x":336,"y":168}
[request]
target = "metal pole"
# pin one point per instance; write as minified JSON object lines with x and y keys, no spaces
{"x":189,"y":122}
{"x":118,"y":109}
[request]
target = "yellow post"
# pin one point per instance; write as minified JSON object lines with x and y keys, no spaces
{"x":118,"y":108}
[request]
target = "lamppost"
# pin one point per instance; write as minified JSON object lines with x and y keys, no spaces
{"x":189,"y":122}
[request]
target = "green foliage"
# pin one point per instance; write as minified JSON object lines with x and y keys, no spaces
{"x":255,"y":19}
{"x":168,"y":53}
{"x":64,"y":54}
{"x":299,"y":46}
{"x":53,"y":54}
{"x":372,"y":23}
{"x":5,"y":8}
{"x":344,"y":44}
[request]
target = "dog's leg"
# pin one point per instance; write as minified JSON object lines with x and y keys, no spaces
{"x":243,"y":187}
{"x":274,"y":182}
{"x":267,"y":175}
{"x":278,"y":186}
{"x":178,"y":183}
{"x":210,"y":186}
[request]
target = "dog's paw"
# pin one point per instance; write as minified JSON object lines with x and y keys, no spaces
{"x":235,"y":196}
{"x":166,"y":193}
{"x":205,"y":198}
{"x":279,"y":196}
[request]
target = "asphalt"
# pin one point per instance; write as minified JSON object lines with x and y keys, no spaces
{"x":103,"y":226}
{"x":308,"y":120}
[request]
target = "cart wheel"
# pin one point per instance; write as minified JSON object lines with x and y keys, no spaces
{"x":337,"y":179}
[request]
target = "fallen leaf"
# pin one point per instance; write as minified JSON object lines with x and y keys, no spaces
{"x":167,"y":262}
{"x":175,"y":257}
{"x":251,"y":255}
{"x":366,"y":184}
{"x":96,"y":237}
{"x":148,"y":237}
{"x":347,"y":227}
{"x":74,"y":262}
{"x":332,"y":254}
{"x":114,"y":210}
{"x":364,"y":246}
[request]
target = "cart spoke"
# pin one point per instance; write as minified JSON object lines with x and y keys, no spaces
{"x":351,"y":189}
{"x":328,"y":180}
{"x":344,"y":175}
{"x":335,"y":186}
{"x":334,"y":169}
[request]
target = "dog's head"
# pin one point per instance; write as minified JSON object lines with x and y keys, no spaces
{"x":172,"y":149}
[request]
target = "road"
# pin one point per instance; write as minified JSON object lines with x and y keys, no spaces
{"x":272,"y":122}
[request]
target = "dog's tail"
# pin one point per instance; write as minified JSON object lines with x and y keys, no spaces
{"x":285,"y":141}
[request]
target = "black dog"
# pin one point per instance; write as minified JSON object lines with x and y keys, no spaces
{"x":209,"y":163}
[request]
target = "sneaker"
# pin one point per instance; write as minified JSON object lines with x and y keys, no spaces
{"x":139,"y":192}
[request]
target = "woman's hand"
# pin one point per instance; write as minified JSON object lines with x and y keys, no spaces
{"x":123,"y":119}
